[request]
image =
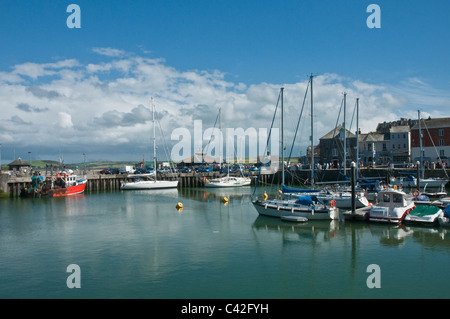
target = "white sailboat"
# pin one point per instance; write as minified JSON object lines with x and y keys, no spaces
{"x":302,"y":208}
{"x":148,"y":181}
{"x":226,"y":181}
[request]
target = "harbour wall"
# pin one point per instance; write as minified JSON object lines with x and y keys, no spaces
{"x":12,"y":185}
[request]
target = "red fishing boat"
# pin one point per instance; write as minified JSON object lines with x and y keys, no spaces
{"x":63,"y":185}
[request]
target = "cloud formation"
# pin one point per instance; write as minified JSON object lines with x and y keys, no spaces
{"x":104,"y":109}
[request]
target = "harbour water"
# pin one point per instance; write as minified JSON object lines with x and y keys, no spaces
{"x":136,"y":244}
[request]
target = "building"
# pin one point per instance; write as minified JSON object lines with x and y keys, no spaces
{"x":400,"y":144}
{"x":20,"y":166}
{"x":435,"y":140}
{"x":373,"y":149}
{"x":331,"y":147}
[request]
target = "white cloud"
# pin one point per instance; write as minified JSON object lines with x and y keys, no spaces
{"x":105,"y":107}
{"x":109,"y":52}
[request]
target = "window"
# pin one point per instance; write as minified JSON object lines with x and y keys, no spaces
{"x":393,"y":145}
{"x":393,"y":136}
{"x":441,"y":153}
{"x":441,"y":142}
{"x":397,"y":198}
{"x":386,"y":198}
{"x":398,"y":146}
{"x":384,"y":146}
{"x":404,"y":145}
{"x":441,"y":132}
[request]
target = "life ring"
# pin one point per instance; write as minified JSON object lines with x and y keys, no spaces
{"x":332,"y":203}
{"x":416,"y":193}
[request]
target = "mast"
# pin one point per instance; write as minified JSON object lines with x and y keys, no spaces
{"x":345,"y":137}
{"x":357,"y":138}
{"x":421,"y":148}
{"x":220,"y":141}
{"x":154,"y":138}
{"x":282,"y":140}
{"x":312,"y":133}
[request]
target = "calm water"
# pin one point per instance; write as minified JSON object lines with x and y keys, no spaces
{"x":136,"y":244}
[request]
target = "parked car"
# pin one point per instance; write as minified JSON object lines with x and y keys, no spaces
{"x":112,"y":171}
{"x":185,"y":169}
{"x":103,"y":171}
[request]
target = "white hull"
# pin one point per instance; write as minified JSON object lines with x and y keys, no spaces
{"x":393,"y":207}
{"x":392,"y":216}
{"x":228,"y":182}
{"x":343,"y":200}
{"x":432,"y":182}
{"x":274,"y":208}
{"x":149,"y":185}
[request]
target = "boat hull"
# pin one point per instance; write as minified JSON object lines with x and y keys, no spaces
{"x":273,"y":210}
{"x":77,"y":189}
{"x":149,"y":185}
{"x":389,"y":215}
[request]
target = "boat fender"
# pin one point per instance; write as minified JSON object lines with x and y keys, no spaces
{"x":179,"y":205}
{"x":265,"y":196}
{"x":333,"y":203}
{"x":225,"y":200}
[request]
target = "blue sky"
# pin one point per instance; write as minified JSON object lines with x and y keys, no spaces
{"x":226,"y":50}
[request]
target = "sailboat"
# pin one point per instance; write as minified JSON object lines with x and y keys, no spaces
{"x":148,"y":181}
{"x":299,"y":209}
{"x":341,"y":197}
{"x":226,"y":181}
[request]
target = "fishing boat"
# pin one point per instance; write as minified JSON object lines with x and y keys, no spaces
{"x":424,"y":214}
{"x":392,"y":207}
{"x":307,"y":207}
{"x":62,"y":185}
{"x":148,"y":181}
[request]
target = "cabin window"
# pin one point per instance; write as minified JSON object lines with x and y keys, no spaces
{"x":386,"y":198}
{"x":397,"y":198}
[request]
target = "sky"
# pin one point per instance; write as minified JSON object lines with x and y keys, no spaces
{"x":87,"y":92}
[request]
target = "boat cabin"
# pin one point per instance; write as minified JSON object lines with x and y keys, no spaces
{"x":392,"y":198}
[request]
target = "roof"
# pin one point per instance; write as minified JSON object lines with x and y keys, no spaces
{"x":335,"y":132}
{"x":399,"y":129}
{"x":19,"y":162}
{"x":371,"y":137}
{"x":433,"y":123}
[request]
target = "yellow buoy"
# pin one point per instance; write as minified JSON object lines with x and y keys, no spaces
{"x":265,"y":196}
{"x":225,"y":200}
{"x":179,"y":205}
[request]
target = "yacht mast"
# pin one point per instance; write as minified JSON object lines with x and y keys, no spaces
{"x":421,"y":148}
{"x":312,"y":133}
{"x":357,"y":138}
{"x":282,"y":140}
{"x":345,"y":137}
{"x":154,"y":139}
